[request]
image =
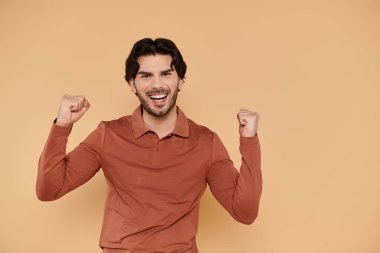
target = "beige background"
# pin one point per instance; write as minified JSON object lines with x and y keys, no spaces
{"x":310,"y":68}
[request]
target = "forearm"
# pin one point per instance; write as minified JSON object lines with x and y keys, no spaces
{"x":51,"y":165}
{"x":247,"y":194}
{"x":238,"y":192}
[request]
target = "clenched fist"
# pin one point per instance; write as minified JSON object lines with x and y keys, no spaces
{"x":248,"y":121}
{"x":71,"y":110}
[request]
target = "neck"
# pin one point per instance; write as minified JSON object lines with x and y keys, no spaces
{"x":162,"y":125}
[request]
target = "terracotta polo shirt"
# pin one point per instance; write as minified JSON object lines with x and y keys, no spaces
{"x":154,"y":185}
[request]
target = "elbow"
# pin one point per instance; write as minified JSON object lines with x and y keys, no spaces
{"x":43,"y":199}
{"x":44,"y":195}
{"x":246,"y":215}
{"x":45,"y":191}
{"x":248,"y":211}
{"x":40,"y":192}
{"x":248,"y":219}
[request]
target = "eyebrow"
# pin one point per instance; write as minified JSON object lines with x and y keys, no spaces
{"x":167,"y":71}
{"x":149,"y":73}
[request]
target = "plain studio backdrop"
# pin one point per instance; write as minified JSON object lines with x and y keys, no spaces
{"x":310,"y":68}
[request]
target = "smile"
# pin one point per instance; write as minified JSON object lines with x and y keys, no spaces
{"x":158,"y":96}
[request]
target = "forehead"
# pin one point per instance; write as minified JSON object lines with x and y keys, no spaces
{"x":152,"y":63}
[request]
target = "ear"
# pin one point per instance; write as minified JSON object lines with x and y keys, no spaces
{"x":132,"y":85}
{"x":180,"y":83}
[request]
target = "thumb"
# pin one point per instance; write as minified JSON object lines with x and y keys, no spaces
{"x":85,"y":107}
{"x":86,"y":104}
{"x":242,"y":120}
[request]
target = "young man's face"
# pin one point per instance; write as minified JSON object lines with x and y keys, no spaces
{"x":156,"y":84}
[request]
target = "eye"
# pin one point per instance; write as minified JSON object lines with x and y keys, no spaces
{"x":166,"y":73}
{"x":145,"y":75}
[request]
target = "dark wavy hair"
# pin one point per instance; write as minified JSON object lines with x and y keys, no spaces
{"x":148,"y":46}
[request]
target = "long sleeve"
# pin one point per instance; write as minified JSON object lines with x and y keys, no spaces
{"x":238,"y":193}
{"x":58,"y":172}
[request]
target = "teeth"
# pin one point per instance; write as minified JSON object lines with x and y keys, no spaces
{"x":158,"y":96}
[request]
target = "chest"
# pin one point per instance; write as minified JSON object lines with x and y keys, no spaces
{"x":171,"y":166}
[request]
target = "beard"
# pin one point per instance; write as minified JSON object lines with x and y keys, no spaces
{"x":153,"y":110}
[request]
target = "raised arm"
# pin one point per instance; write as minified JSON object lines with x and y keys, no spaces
{"x":58,"y":172}
{"x":238,"y":193}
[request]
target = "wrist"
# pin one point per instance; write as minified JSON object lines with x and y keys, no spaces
{"x":56,"y":122}
{"x":248,"y":134}
{"x":249,"y":140}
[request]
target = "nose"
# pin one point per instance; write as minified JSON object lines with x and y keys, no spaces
{"x":157,"y":82}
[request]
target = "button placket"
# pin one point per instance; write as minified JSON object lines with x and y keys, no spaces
{"x":156,"y":160}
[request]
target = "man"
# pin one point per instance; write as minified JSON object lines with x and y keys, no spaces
{"x":157,"y":162}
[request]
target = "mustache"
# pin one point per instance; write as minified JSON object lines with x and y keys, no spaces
{"x":157,"y":91}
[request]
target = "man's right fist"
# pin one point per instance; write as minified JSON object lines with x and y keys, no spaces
{"x":71,"y":110}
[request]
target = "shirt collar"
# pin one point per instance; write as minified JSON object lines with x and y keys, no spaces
{"x":139,"y":128}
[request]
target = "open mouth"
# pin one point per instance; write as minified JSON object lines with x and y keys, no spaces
{"x":160,"y":96}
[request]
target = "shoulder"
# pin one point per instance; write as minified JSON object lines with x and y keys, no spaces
{"x":200,"y":131}
{"x":117,"y":123}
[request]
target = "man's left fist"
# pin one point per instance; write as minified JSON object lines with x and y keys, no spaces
{"x":248,"y":121}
